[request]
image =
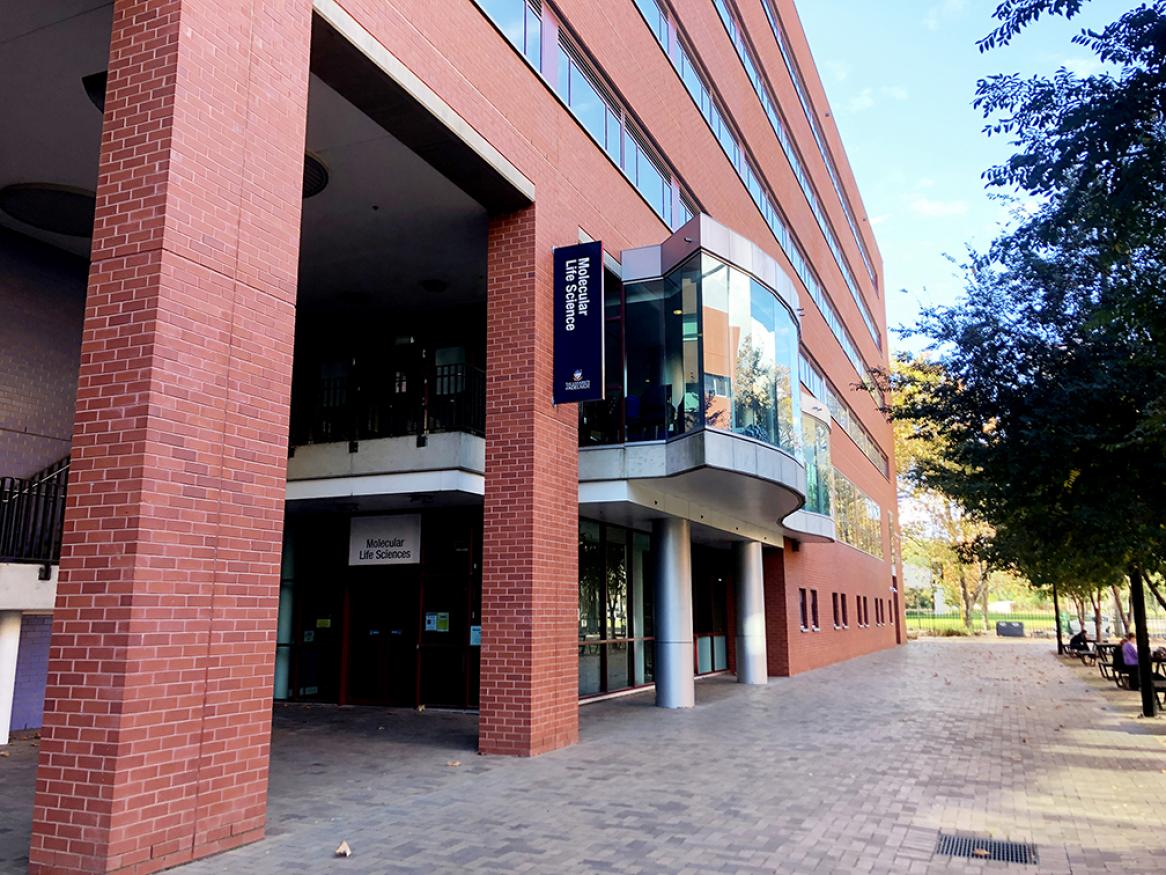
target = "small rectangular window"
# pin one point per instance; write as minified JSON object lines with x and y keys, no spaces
{"x":866,"y":610}
{"x":837,"y":616}
{"x":845,"y":614}
{"x":803,"y":610}
{"x":814,"y":608}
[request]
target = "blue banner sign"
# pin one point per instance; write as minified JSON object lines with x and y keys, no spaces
{"x":579,"y":356}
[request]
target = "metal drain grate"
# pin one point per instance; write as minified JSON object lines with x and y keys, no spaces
{"x":980,"y":848}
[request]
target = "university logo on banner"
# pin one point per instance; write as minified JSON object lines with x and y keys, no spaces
{"x":579,"y":354}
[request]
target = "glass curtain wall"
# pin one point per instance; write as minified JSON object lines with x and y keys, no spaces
{"x":819,"y":471}
{"x":615,"y":609}
{"x":707,"y":346}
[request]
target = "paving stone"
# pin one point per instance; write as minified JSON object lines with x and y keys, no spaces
{"x":853,"y":768}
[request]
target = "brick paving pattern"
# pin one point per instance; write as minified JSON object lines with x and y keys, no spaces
{"x":852,"y":768}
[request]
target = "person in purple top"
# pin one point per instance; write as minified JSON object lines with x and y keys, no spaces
{"x":1129,"y":658}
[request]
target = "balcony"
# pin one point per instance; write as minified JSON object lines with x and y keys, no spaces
{"x":347,"y":409}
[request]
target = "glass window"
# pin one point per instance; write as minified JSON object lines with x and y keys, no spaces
{"x":814,"y":609}
{"x":836,"y":614}
{"x":521,"y":24}
{"x":590,"y":582}
{"x":649,"y":390}
{"x":616,"y":594}
{"x":585,"y":102}
{"x":857,"y":517}
{"x":819,"y":471}
{"x":802,"y":609}
{"x":657,"y":22}
{"x":682,"y":334}
{"x":845,"y":613}
{"x":615,"y":608}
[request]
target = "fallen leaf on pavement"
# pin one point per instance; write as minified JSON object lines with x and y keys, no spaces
{"x":344,"y":850}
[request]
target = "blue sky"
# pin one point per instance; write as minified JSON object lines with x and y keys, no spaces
{"x":901,"y":76}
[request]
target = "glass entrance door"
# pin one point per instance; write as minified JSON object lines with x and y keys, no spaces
{"x":383,"y":624}
{"x":710,"y":587}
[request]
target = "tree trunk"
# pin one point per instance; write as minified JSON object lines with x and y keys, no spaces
{"x":1079,"y":604}
{"x":1122,"y":615}
{"x":985,"y":590}
{"x":1145,"y":668}
{"x":1096,"y":602}
{"x":967,"y":597}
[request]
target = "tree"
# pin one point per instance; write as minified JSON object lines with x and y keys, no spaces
{"x":1046,"y":388}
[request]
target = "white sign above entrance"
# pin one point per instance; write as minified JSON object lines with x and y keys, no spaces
{"x":385,"y":540}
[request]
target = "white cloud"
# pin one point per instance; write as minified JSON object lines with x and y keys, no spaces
{"x":925,"y":182}
{"x":862,"y":101}
{"x":937,"y":209}
{"x":943,"y":11}
{"x":840,"y":70}
{"x":875,"y":221}
{"x":869,"y":98}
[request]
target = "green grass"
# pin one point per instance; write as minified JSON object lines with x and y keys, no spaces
{"x":924,"y":621}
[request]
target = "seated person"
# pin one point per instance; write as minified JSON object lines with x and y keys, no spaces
{"x":1079,"y":643}
{"x":1126,"y":659}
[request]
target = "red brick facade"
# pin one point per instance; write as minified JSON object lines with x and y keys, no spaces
{"x":157,"y":719}
{"x":530,"y":575}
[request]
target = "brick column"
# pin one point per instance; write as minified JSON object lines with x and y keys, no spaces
{"x":776,"y":612}
{"x":530,"y":579}
{"x":157,"y":711}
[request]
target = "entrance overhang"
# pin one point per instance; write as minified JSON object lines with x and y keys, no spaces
{"x":353,"y":62}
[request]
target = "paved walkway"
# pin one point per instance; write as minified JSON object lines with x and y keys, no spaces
{"x":853,"y":768}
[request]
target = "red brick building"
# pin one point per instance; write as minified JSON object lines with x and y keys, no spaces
{"x":278,"y":303}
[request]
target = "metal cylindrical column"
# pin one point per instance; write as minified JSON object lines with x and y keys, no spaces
{"x":9,"y":648}
{"x":672,"y":548}
{"x":752,"y":667}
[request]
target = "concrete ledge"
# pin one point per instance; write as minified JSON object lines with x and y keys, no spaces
{"x":452,"y":451}
{"x":814,"y":528}
{"x":21,"y":590}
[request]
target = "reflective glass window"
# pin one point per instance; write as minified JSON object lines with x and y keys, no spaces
{"x":521,"y":25}
{"x":649,"y":391}
{"x":819,"y":471}
{"x":585,"y":102}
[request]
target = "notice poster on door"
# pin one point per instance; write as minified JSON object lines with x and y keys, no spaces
{"x":385,"y":540}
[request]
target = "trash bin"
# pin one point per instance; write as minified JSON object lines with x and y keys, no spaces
{"x":1009,"y":629}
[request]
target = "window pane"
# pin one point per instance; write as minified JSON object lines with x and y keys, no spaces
{"x":590,"y":670}
{"x":789,"y":402}
{"x":618,"y":665}
{"x":590,"y":582}
{"x":718,"y":347}
{"x":612,"y":145}
{"x":534,"y":38}
{"x":586,"y":103}
{"x":563,"y":81}
{"x":647,"y":408}
{"x":683,"y":348}
{"x":510,"y":16}
{"x":616,"y":597}
{"x":650,"y":182}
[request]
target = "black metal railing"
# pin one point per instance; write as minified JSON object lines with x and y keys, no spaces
{"x":348,"y":408}
{"x":32,"y":514}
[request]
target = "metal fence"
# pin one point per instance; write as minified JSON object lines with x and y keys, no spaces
{"x":443,"y":398}
{"x":1036,"y":623}
{"x":32,"y":513}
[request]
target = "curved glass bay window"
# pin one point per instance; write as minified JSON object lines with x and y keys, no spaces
{"x":819,"y":471}
{"x":706,"y":346}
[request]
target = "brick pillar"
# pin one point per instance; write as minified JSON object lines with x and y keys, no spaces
{"x":776,"y":612}
{"x":530,"y":579}
{"x":157,"y":713}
